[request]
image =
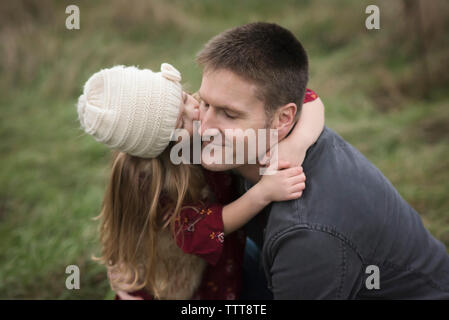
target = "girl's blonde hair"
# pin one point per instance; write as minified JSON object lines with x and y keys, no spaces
{"x":137,"y":228}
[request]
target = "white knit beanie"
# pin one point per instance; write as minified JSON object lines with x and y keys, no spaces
{"x":132,"y":110}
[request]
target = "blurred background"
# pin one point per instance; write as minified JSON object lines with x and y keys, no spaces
{"x":385,"y":91}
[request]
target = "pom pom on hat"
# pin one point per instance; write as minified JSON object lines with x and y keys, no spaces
{"x":132,"y":110}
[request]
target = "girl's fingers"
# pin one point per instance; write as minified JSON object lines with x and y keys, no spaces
{"x":283,"y":164}
{"x":301,"y":186}
{"x":295,"y":195}
{"x":297,"y":187}
{"x":297,"y":179}
{"x":294,"y":171}
{"x":297,"y":184}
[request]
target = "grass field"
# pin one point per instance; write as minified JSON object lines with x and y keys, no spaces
{"x":52,"y":176}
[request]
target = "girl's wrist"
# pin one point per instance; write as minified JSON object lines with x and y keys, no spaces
{"x":260,"y":194}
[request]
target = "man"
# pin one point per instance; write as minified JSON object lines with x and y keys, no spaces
{"x":351,"y":235}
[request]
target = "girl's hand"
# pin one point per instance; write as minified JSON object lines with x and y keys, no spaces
{"x":305,"y":133}
{"x":285,"y":184}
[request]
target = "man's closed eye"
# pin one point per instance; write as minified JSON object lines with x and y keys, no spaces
{"x":228,"y":115}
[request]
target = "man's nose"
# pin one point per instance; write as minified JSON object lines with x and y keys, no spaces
{"x":206,"y":118}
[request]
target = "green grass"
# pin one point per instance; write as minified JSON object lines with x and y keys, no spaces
{"x":52,"y":176}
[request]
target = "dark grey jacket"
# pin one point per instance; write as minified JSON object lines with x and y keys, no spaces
{"x":349,"y":217}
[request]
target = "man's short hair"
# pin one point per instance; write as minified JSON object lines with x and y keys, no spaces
{"x":265,"y":54}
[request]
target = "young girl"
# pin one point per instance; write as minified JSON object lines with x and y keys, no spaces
{"x":172,"y":231}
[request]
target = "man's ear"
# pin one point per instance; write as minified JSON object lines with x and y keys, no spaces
{"x":284,"y":119}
